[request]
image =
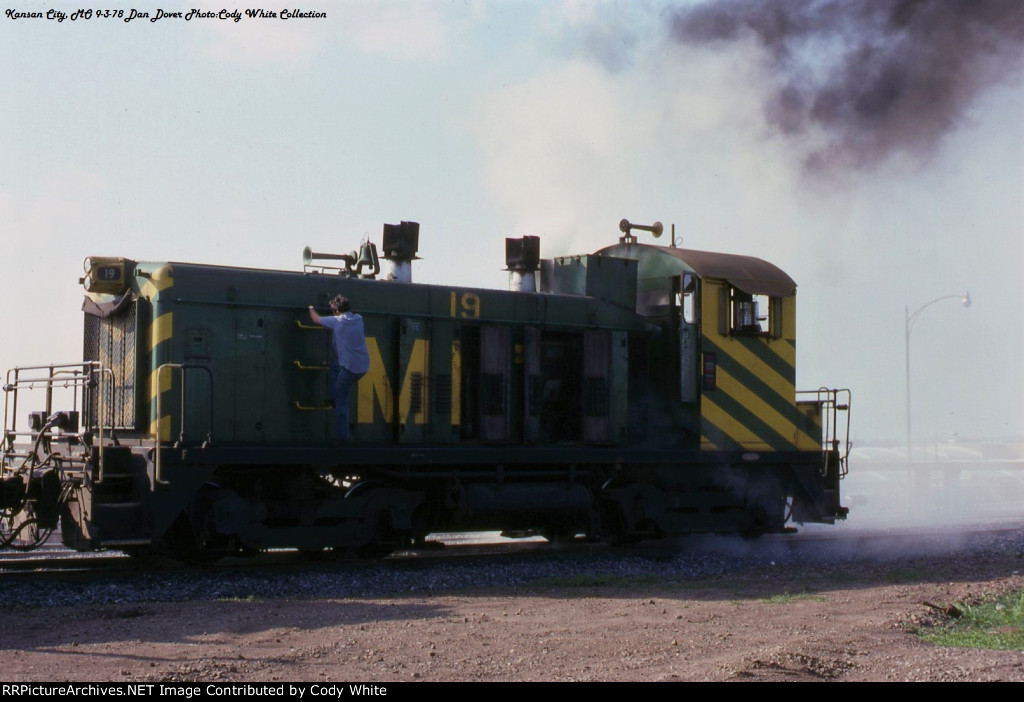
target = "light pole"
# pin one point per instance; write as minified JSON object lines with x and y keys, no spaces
{"x":965,"y":300}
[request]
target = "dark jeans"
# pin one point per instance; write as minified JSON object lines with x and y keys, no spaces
{"x":344,"y":379}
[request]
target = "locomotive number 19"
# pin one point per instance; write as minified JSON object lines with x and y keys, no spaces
{"x":465,"y":305}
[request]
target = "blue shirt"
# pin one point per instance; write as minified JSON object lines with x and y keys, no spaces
{"x":349,"y":341}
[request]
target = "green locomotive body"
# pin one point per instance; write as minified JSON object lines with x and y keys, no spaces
{"x":639,"y":393}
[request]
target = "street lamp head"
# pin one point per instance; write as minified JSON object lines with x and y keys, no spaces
{"x":965,"y":300}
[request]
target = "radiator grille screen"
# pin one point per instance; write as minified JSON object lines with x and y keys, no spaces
{"x":111,"y":341}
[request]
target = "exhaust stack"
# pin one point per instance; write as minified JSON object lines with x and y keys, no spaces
{"x":401,"y":242}
{"x":522,"y":258}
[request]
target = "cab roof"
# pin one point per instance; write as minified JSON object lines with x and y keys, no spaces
{"x":752,"y":275}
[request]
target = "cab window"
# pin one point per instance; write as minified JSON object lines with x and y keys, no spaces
{"x":749,"y":314}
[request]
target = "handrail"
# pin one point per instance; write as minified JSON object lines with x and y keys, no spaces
{"x":322,"y":407}
{"x":11,"y":388}
{"x":158,"y":444}
{"x":79,"y":374}
{"x":99,"y":414}
{"x":828,"y":401}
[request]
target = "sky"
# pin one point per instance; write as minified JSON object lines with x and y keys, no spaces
{"x":872,"y":150}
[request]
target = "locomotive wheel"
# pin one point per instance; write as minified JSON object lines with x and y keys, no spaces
{"x":183,"y":542}
{"x":559,"y":535}
{"x":318,"y":555}
{"x":420,"y":528}
{"x":372,"y":551}
{"x":614,"y":528}
{"x":763,"y":519}
{"x":148,"y":558}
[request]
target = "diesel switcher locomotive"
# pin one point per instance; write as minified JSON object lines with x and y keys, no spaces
{"x":637,"y":392}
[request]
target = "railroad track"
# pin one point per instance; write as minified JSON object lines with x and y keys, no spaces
{"x":900,"y":540}
{"x":54,"y":559}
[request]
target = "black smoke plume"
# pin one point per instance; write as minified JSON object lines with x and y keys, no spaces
{"x":868,"y":79}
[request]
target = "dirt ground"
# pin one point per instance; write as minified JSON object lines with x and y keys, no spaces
{"x":784,"y":623}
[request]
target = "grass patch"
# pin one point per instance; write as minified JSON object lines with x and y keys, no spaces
{"x":995,"y":624}
{"x":906,"y":575}
{"x":246,"y":598}
{"x":790,"y":597}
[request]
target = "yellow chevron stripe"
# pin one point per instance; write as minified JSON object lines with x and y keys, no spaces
{"x":165,"y":429}
{"x":165,"y":382}
{"x":764,"y":411}
{"x":785,"y":350}
{"x":707,"y":444}
{"x":161,"y":329}
{"x":807,"y":442}
{"x":762,"y":370}
{"x":725,"y":422}
{"x":161,"y":279}
{"x":456,"y":414}
{"x":165,"y":379}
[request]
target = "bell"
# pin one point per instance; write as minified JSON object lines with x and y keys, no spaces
{"x":367,"y":258}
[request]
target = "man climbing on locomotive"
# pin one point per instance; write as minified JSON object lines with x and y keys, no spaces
{"x":353,"y":358}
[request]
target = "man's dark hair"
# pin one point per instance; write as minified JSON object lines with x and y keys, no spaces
{"x":340,"y":304}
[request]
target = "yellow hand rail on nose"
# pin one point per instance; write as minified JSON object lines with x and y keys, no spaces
{"x":322,"y":407}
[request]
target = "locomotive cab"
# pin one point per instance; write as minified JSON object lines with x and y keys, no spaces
{"x":728,"y":336}
{"x":727,"y":344}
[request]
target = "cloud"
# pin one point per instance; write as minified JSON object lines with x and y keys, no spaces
{"x":403,"y":30}
{"x":578,"y":147}
{"x":261,"y":42}
{"x":858,"y":82}
{"x":544,"y":139}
